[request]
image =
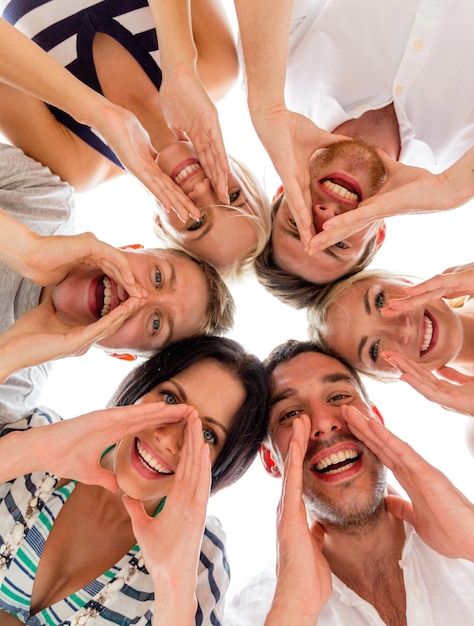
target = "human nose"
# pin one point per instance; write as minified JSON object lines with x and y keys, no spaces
{"x":203,"y":194}
{"x":325,"y":421}
{"x":324,"y":212}
{"x":171,"y":436}
{"x":400,"y":329}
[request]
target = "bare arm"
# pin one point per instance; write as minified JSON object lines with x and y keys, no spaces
{"x":25,"y":66}
{"x":288,"y":137}
{"x":186,"y":104}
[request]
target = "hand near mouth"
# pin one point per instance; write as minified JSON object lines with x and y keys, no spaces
{"x":440,"y":513}
{"x":304,"y":577}
{"x":452,"y":390}
{"x":452,"y":283}
{"x":72,"y":448}
{"x":171,"y":541}
{"x":40,"y":335}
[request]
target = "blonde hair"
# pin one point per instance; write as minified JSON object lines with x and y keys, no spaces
{"x":259,"y":205}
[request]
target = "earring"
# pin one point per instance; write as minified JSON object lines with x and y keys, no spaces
{"x":124,"y":356}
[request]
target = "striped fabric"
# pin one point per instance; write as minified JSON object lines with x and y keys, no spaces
{"x":66,"y":30}
{"x":122,"y":595}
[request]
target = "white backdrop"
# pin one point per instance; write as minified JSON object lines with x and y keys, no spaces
{"x":120,"y":213}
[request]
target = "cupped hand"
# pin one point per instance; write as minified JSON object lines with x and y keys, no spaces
{"x":72,"y":448}
{"x":290,"y":139}
{"x":304,"y":580}
{"x":130,"y":141}
{"x":195,"y":117}
{"x":171,"y":541}
{"x":453,"y":390}
{"x":442,"y":516}
{"x":40,"y":335}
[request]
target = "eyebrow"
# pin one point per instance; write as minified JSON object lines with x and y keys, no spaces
{"x":172,"y":282}
{"x":207,"y":227}
{"x":334,"y":377}
{"x":364,"y":338}
{"x":207,"y":418}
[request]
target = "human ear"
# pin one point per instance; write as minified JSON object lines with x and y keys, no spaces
{"x":381,"y":233}
{"x":268,"y":461}
{"x":377,"y":414}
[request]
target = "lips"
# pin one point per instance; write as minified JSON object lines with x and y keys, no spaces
{"x":185,"y":170}
{"x":150,"y":462}
{"x":342,"y":188}
{"x":338,"y":462}
{"x":429,"y":334}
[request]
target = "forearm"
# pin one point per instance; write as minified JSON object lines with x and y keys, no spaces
{"x":264,"y":31}
{"x":16,"y":241}
{"x":173,"y":26}
{"x":459,"y":180}
{"x":24,"y":65}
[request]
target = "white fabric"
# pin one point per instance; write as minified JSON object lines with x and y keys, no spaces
{"x":438,"y":593}
{"x":32,"y":195}
{"x":346,"y":59}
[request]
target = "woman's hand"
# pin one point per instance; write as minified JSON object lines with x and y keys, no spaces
{"x":453,"y":391}
{"x":171,"y":541}
{"x":131,"y":143}
{"x":191,"y":115}
{"x":452,"y":283}
{"x":441,"y":515}
{"x":40,"y":335}
{"x":72,"y":448}
{"x":303,"y":574}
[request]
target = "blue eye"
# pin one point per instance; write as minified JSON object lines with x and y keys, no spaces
{"x":197,"y":224}
{"x":209,"y":436}
{"x":380,"y":300}
{"x":374,"y":351}
{"x":156,"y":324}
{"x":234,"y":196}
{"x":339,"y":396}
{"x":291,"y":414}
{"x":158,"y":277}
{"x":341,"y":245}
{"x":169,"y":398}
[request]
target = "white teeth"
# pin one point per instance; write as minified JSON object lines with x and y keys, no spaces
{"x":428,"y":336}
{"x":150,"y":461}
{"x":341,"y":191}
{"x":107,"y":296}
{"x":186,"y":171}
{"x":334,"y":458}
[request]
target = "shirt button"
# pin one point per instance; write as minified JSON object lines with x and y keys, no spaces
{"x":398,"y":90}
{"x":418,"y":45}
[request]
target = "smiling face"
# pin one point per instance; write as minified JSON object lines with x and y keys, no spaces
{"x":343,"y":481}
{"x":342,"y":175}
{"x":145,"y":464}
{"x":174,"y":307}
{"x":218,"y":223}
{"x":355,"y":329}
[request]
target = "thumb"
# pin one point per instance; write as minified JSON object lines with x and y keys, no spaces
{"x":136,"y":511}
{"x":400,"y":508}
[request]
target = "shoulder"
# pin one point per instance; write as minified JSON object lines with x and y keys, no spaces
{"x":41,"y":416}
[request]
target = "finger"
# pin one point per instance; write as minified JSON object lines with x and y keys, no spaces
{"x":171,"y":196}
{"x":137,"y":513}
{"x":128,"y":420}
{"x":400,"y":508}
{"x":448,"y":373}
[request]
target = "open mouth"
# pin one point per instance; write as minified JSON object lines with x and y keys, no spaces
{"x":339,"y":188}
{"x":428,"y":334}
{"x":337,"y":462}
{"x":104,"y":296}
{"x":185,"y":170}
{"x":150,"y":462}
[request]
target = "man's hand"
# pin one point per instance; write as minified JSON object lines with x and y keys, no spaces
{"x":303,"y":574}
{"x":40,"y":335}
{"x":441,"y":515}
{"x":290,"y":139}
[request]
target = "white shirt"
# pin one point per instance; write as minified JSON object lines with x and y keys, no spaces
{"x":346,"y":59}
{"x":438,"y":593}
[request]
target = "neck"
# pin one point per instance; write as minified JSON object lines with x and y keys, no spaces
{"x":378,"y":128}
{"x":354,"y":553}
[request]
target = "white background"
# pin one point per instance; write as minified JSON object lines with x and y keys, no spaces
{"x":120,"y":213}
